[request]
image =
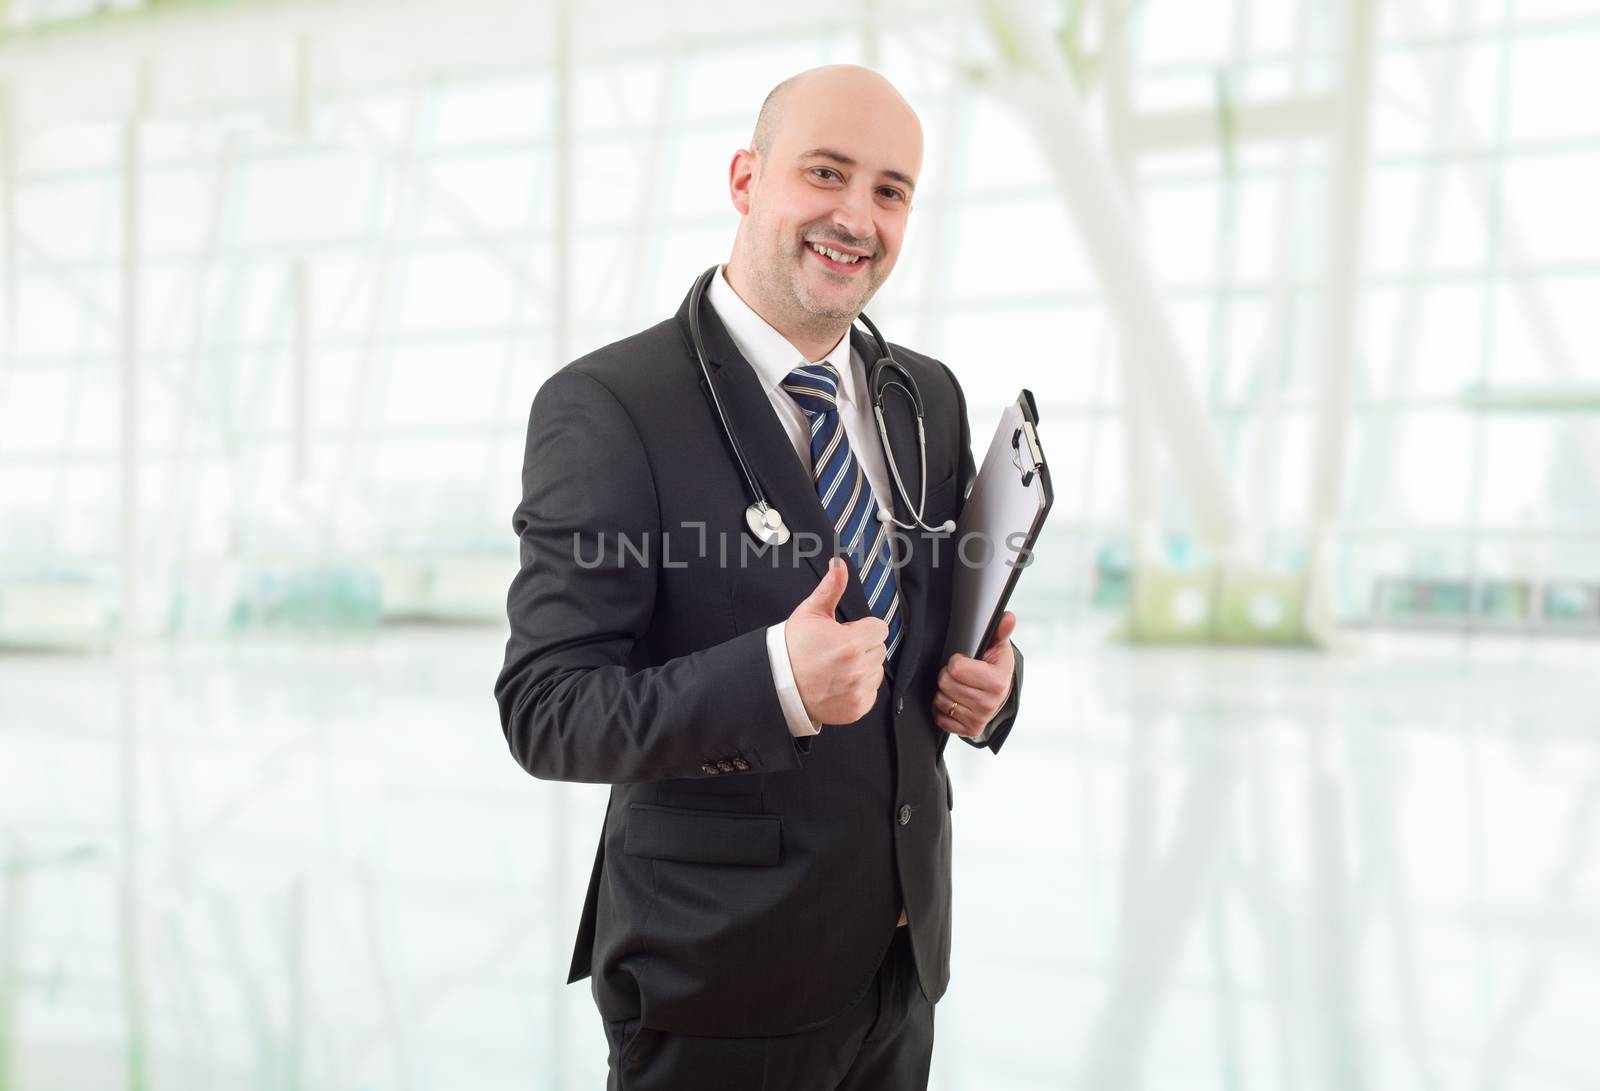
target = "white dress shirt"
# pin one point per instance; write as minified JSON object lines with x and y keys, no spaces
{"x":773,"y":357}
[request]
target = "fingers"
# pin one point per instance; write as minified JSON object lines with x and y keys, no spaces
{"x":974,"y":709}
{"x":950,"y":690}
{"x":966,"y":725}
{"x":868,"y":631}
{"x":977,"y":673}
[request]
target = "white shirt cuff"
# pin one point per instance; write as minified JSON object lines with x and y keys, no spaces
{"x":794,"y":709}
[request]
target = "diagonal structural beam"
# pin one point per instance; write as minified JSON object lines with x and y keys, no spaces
{"x":1039,"y":86}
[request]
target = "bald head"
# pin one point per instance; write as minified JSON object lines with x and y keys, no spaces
{"x":767,"y":119}
{"x":836,"y":79}
{"x":824,"y":191}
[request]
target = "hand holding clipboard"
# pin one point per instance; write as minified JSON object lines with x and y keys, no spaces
{"x":997,"y":529}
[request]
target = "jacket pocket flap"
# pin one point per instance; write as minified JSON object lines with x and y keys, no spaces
{"x":702,"y":837}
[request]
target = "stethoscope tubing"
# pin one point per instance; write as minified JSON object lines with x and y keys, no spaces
{"x":764,"y":521}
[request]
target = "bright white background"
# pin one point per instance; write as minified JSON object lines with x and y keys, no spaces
{"x":279,"y":283}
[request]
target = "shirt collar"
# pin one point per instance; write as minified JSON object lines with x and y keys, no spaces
{"x":770,"y":353}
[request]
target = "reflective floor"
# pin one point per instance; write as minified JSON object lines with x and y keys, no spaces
{"x":314,"y":865}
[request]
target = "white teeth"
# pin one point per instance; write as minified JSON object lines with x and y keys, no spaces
{"x":847,"y":259}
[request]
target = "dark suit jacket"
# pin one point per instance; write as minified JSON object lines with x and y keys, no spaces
{"x":747,"y":883}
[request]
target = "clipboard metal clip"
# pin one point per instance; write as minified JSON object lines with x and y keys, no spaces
{"x":1035,"y":455}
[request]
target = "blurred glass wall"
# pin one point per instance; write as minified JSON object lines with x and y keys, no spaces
{"x":278,"y":283}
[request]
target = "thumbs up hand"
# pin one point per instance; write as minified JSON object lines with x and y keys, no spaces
{"x":837,"y":667}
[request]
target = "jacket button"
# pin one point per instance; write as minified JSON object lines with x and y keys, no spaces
{"x":710,"y":770}
{"x":899,"y":703}
{"x":725,"y":766}
{"x":904,"y":817}
{"x":740,"y":764}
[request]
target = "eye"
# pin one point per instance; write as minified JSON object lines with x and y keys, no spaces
{"x":820,"y":172}
{"x":892,"y":193}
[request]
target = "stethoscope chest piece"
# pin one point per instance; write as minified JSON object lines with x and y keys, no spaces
{"x":766,"y":524}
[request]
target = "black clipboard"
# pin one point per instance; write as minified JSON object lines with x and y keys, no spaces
{"x":1010,"y":498}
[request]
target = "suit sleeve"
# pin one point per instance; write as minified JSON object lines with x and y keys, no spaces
{"x":994,"y":734}
{"x":571,"y":705}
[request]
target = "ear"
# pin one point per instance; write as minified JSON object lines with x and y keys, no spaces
{"x":741,"y":177}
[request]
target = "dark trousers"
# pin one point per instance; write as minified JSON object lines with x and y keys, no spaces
{"x":882,"y":1042}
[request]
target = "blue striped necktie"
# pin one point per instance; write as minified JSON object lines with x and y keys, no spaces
{"x":846,"y":496}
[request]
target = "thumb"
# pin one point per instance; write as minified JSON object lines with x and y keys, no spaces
{"x":824,"y":598}
{"x":1002,"y":633}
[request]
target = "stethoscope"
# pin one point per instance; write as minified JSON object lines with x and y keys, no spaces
{"x":761,"y":517}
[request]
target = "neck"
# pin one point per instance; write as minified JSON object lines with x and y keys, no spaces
{"x":814,"y":335}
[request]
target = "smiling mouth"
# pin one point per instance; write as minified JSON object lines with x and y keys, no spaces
{"x":837,"y":260}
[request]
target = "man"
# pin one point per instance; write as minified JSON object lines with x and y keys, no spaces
{"x":770,"y":902}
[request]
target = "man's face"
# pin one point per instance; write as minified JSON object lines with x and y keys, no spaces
{"x":837,"y":177}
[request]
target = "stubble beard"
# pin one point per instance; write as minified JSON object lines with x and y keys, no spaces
{"x":794,"y":260}
{"x":784,"y":285}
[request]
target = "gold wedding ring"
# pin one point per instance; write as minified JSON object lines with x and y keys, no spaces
{"x":951,"y":712}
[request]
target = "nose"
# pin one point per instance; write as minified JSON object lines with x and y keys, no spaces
{"x":853,"y":213}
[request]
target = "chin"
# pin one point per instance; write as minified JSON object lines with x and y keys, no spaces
{"x":825,"y":307}
{"x":833,"y":301}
